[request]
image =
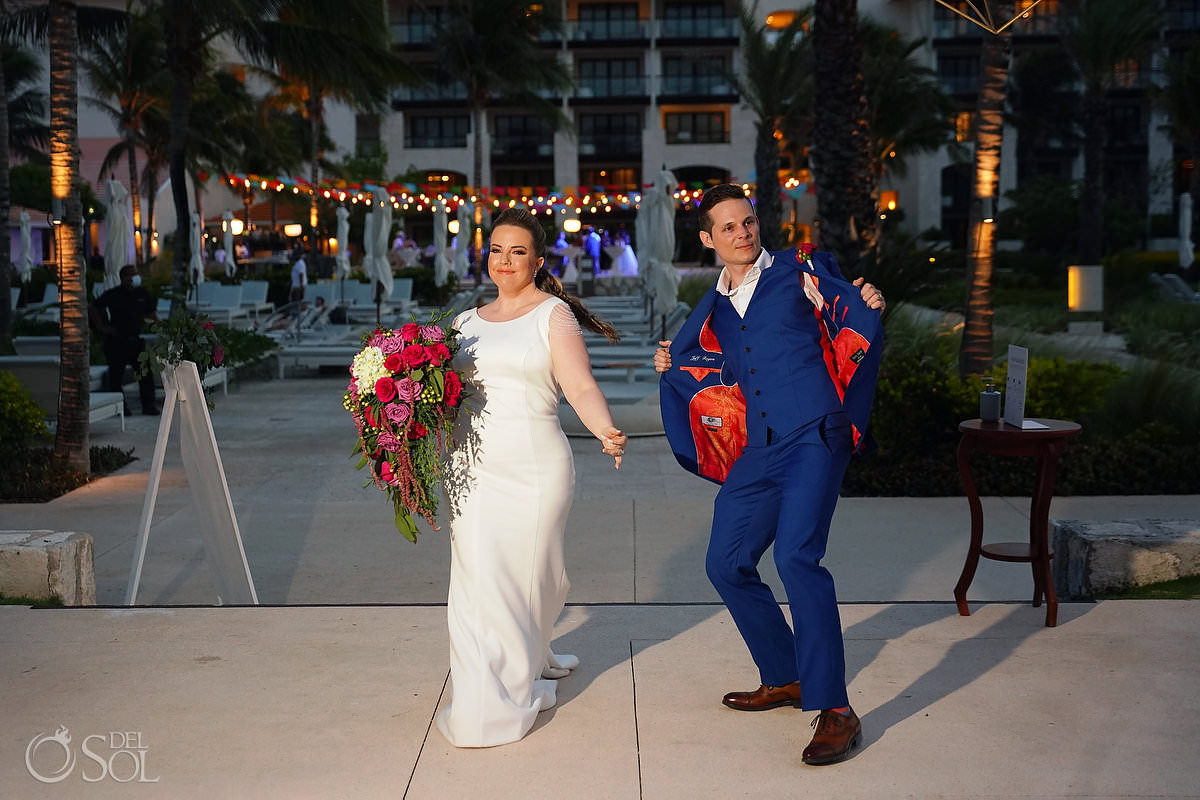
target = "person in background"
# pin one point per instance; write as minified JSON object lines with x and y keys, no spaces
{"x":592,"y":246}
{"x":117,"y":315}
{"x":299,"y":277}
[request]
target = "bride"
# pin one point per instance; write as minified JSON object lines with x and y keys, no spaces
{"x":512,"y":483}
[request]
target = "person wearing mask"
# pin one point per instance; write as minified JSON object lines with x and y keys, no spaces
{"x":118,"y":315}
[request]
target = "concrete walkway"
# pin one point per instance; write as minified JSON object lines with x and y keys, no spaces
{"x":325,"y":696}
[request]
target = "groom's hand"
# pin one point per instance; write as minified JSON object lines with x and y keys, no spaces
{"x":662,"y":356}
{"x":870,"y":294}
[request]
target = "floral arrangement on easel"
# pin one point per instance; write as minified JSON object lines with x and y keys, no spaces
{"x":183,"y":336}
{"x":403,"y":397}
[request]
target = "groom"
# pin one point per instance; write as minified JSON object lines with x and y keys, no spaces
{"x":774,"y":381}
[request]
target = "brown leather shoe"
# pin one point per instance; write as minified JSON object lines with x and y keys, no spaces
{"x":764,"y":698}
{"x":837,"y":734}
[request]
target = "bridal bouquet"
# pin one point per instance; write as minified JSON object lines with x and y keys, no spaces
{"x":403,"y":396}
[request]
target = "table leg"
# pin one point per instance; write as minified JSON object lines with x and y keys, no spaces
{"x":968,"y":572}
{"x":1039,"y":546}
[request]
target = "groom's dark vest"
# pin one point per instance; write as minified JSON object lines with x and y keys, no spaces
{"x":774,"y":355}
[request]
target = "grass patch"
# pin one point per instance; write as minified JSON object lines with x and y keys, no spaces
{"x":36,"y":602}
{"x":1185,"y":588}
{"x":32,"y":478}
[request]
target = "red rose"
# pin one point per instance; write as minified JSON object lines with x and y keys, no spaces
{"x":218,"y":355}
{"x":369,"y":417}
{"x":804,"y":251}
{"x":409,"y":331}
{"x":393,"y":363}
{"x":208,"y":326}
{"x":438,"y":354}
{"x":416,"y":430}
{"x":453,"y":389}
{"x":415,"y":355}
{"x":385,"y":389}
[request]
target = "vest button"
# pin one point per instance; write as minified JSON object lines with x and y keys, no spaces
{"x":747,"y":349}
{"x":757,"y":392}
{"x":743,"y":327}
{"x":764,"y":413}
{"x":752,"y":370}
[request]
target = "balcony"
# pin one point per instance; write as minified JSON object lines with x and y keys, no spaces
{"x":609,"y":88}
{"x":610,"y":146}
{"x":713,"y":28}
{"x":609,"y":31}
{"x":522,"y":148}
{"x":697,"y":137}
{"x":696,"y":86}
{"x":420,"y":142}
{"x":432,"y":94}
{"x":1184,"y":19}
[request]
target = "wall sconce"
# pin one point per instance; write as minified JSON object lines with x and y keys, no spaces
{"x":453,"y":227}
{"x":889,"y":200}
{"x":571,"y":225}
{"x":988,"y":209}
{"x":293,"y":229}
{"x":1085,"y":288}
{"x":56,"y":210}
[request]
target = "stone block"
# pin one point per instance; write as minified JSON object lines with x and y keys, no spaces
{"x":46,"y":564}
{"x":1099,"y":557}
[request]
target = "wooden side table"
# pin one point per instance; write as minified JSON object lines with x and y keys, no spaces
{"x":1045,"y":444}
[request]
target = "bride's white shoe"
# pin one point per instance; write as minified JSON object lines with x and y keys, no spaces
{"x":558,"y":666}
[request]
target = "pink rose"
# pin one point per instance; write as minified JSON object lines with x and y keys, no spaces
{"x":415,"y":355}
{"x":398,"y":413}
{"x":453,"y":389}
{"x":432,"y":333}
{"x":385,"y":389}
{"x":389,"y":441}
{"x":387,"y":475}
{"x":390,"y":345}
{"x":393,"y":363}
{"x":208,"y":326}
{"x":218,"y":355}
{"x":409,"y":331}
{"x":353,"y":387}
{"x":408,"y":390}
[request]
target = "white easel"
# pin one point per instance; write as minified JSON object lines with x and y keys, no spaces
{"x":206,"y":477}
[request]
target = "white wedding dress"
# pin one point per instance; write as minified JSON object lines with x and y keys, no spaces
{"x":511,"y":482}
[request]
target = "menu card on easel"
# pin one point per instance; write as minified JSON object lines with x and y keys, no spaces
{"x":1014,"y":389}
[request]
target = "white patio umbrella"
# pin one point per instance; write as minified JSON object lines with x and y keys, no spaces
{"x":368,"y":262}
{"x":342,"y":259}
{"x":441,"y":263}
{"x":117,"y":232}
{"x":25,"y":261}
{"x":462,"y":261}
{"x":655,"y":229}
{"x":196,"y":244}
{"x":1186,"y":250}
{"x":383,"y":243}
{"x":227,"y":244}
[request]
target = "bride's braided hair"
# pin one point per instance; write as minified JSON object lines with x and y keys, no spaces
{"x":544,"y":280}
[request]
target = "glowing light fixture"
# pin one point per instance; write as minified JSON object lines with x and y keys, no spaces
{"x":571,"y":225}
{"x":453,"y":227}
{"x":236,"y":226}
{"x":1085,"y":288}
{"x":293,"y":229}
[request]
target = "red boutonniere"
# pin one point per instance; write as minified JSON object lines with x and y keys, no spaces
{"x":804,"y":252}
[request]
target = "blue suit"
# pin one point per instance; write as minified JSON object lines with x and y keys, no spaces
{"x":771,"y":405}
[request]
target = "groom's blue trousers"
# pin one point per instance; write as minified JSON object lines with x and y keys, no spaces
{"x":785,"y":492}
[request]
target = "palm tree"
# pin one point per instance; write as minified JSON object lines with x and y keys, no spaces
{"x":125,"y":69}
{"x":339,"y":50}
{"x":776,"y":82}
{"x":1179,"y":100}
{"x":975,"y":350}
{"x":907,"y":111}
{"x":491,"y":47}
{"x":841,"y":140}
{"x":71,"y":446}
{"x":1101,"y":36}
{"x":22,"y":131}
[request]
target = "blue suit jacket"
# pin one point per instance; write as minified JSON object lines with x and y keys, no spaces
{"x":703,"y":408}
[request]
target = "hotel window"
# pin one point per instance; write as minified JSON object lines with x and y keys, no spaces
{"x":610,"y":135}
{"x":609,"y":20}
{"x":437,"y":131}
{"x":695,"y":127}
{"x":610,"y":77}
{"x":366,"y":132}
{"x":693,"y":75}
{"x":958,"y":74}
{"x":964,"y":126}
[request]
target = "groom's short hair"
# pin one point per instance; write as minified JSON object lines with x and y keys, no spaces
{"x":718,"y":194}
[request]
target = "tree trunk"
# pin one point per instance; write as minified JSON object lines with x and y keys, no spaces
{"x":1091,"y":199}
{"x":150,"y":184}
{"x":5,"y":240}
{"x":477,"y":121}
{"x":135,"y":199}
{"x":1194,"y":189}
{"x":768,"y":205}
{"x":71,"y":446}
{"x":315,"y":108}
{"x":842,"y":158}
{"x":178,"y":24}
{"x":975,"y":351}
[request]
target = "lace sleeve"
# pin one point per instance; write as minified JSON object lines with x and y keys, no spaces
{"x":563,"y":322}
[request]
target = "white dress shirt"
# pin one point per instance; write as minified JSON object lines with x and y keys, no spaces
{"x":740,"y":297}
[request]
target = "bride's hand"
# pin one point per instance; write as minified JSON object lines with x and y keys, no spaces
{"x":614,"y":444}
